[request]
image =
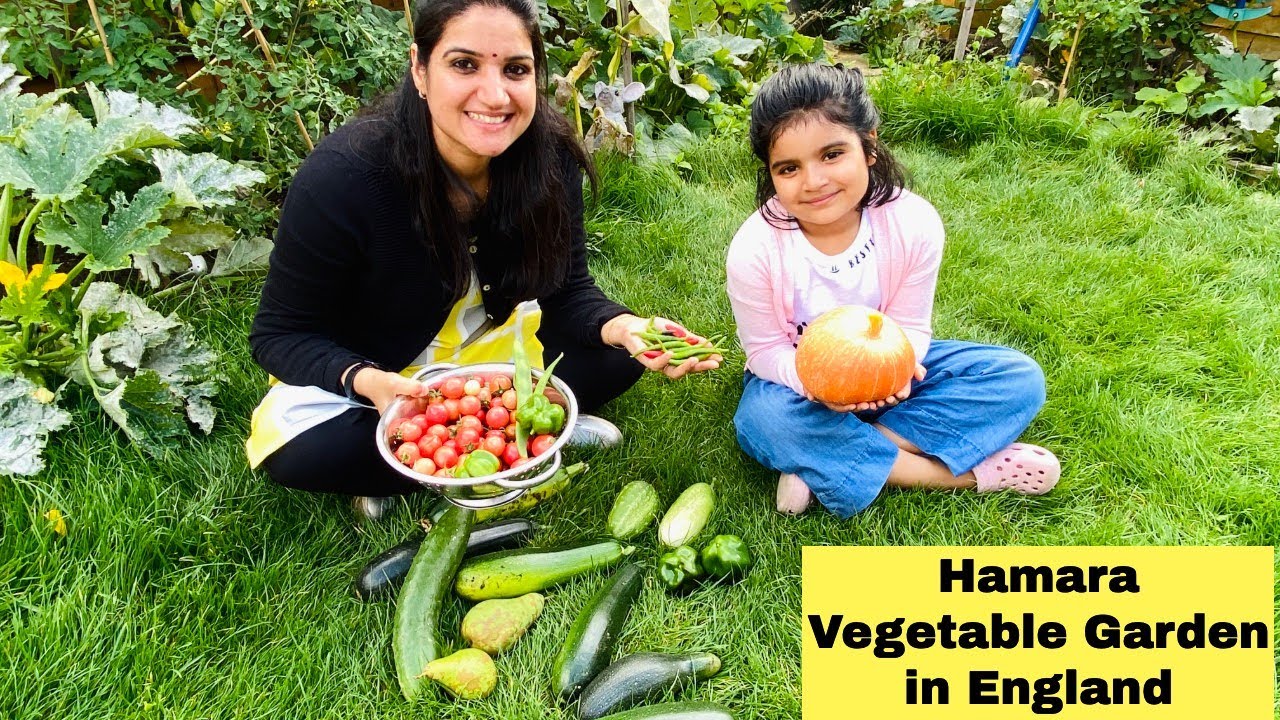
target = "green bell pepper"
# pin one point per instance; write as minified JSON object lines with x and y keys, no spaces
{"x":726,"y":556}
{"x":478,"y":464}
{"x":679,"y":569}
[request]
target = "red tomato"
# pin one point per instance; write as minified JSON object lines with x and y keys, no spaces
{"x":499,"y":384}
{"x":420,"y":420}
{"x":440,"y":431}
{"x":428,"y":445}
{"x":436,"y":414}
{"x":468,"y":438}
{"x":471,"y":386}
{"x":410,"y":432}
{"x":497,"y":417}
{"x":445,"y":457}
{"x":541,"y":444}
{"x":484,"y":396}
{"x":444,"y":473}
{"x":494,"y":445}
{"x":426,"y":466}
{"x":510,"y":454}
{"x":469,"y":405}
{"x":408,"y":454}
{"x":393,"y":431}
{"x":453,"y":388}
{"x":453,"y":445}
{"x":451,"y":405}
{"x":521,"y":461}
{"x":470,"y":421}
{"x":509,"y":399}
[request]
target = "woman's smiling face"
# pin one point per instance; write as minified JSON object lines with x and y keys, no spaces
{"x":480,"y":84}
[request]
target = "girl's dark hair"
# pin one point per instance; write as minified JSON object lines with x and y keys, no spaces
{"x":526,"y":215}
{"x":835,"y":94}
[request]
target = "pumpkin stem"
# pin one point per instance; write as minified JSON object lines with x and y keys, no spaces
{"x":877,"y":321}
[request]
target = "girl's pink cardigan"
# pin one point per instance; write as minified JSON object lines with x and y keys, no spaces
{"x":761,"y":282}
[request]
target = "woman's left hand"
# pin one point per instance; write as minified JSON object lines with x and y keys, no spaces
{"x":624,"y":331}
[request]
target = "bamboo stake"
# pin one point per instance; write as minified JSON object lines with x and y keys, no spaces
{"x":102,"y":34}
{"x":271,"y":62}
{"x":408,"y":18}
{"x":962,"y":36}
{"x":629,"y":109}
{"x":183,"y":85}
{"x":1071,"y":59}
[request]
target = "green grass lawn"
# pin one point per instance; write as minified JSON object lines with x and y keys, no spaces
{"x":189,"y":587}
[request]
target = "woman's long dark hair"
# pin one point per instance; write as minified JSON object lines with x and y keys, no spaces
{"x":526,"y":216}
{"x":835,"y":94}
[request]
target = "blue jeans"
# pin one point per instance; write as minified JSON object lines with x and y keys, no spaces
{"x":974,"y":400}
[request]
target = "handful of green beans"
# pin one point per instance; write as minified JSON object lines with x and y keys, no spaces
{"x":678,"y":341}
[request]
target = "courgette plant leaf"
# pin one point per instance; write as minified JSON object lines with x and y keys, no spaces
{"x":130,"y":229}
{"x":54,"y":156}
{"x":25,"y":301}
{"x":27,"y":418}
{"x":147,"y":342}
{"x":658,"y":14}
{"x":204,"y":179}
{"x":10,"y":80}
{"x":127,"y":115}
{"x":244,"y":256}
{"x":180,"y":250}
{"x":146,"y":410}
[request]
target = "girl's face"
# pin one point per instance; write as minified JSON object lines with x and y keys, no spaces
{"x":480,"y":85}
{"x":820,"y":173}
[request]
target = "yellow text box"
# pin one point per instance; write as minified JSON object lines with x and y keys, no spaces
{"x":1021,"y":632}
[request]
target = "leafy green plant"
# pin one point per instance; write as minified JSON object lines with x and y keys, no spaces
{"x":894,"y":30}
{"x":145,"y":369}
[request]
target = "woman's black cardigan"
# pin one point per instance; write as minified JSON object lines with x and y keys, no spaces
{"x":349,"y":281}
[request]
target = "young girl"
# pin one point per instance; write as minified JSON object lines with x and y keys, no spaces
{"x":836,"y":226}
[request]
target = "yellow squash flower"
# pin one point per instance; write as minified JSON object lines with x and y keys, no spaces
{"x":14,"y":281}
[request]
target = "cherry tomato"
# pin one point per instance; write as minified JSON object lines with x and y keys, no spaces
{"x":428,"y":445}
{"x":495,"y":445}
{"x":497,"y":417}
{"x":469,"y":405}
{"x":541,"y":444}
{"x":468,"y":438}
{"x":393,"y":430}
{"x":440,"y":431}
{"x":451,"y":405}
{"x":484,"y":396}
{"x":444,"y":473}
{"x":421,"y":420}
{"x":510,"y":454}
{"x":521,"y":461}
{"x":510,"y":430}
{"x":453,"y":445}
{"x":470,"y":421}
{"x":471,"y":387}
{"x":453,"y":388}
{"x":410,"y":432}
{"x":499,"y":384}
{"x":426,"y":466}
{"x":436,"y":414}
{"x":408,"y":454}
{"x":445,"y":457}
{"x":509,"y":399}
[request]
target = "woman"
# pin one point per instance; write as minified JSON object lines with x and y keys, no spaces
{"x":417,"y":234}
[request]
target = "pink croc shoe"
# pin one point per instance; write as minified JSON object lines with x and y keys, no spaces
{"x":793,"y":495}
{"x":1022,"y":468}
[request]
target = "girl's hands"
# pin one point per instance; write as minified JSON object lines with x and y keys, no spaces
{"x":890,"y":401}
{"x":624,"y":331}
{"x":381,"y":387}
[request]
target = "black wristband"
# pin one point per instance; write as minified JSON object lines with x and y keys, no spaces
{"x":349,"y":382}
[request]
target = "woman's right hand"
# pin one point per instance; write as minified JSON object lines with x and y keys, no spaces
{"x":382,"y":387}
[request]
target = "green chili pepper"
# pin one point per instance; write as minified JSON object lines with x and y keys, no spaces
{"x":478,"y":464}
{"x":726,"y":556}
{"x":679,"y":569}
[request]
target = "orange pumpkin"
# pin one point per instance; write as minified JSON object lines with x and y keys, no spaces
{"x":854,"y":354}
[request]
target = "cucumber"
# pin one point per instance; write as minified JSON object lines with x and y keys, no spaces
{"x":675,"y":711}
{"x":416,"y":641}
{"x":635,"y":507}
{"x":640,"y":677}
{"x":588,"y":647}
{"x":534,"y":495}
{"x":515,"y":572}
{"x":383,"y":574}
{"x":687,"y":515}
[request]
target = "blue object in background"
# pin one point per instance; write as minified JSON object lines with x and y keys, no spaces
{"x":1241,"y":12}
{"x":1024,"y":35}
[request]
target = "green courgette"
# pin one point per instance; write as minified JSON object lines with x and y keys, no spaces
{"x":633,"y":510}
{"x":691,"y":710}
{"x":416,"y":641}
{"x":515,"y":572}
{"x":687,"y":515}
{"x":382,"y":575}
{"x":640,"y":677}
{"x":588,"y":647}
